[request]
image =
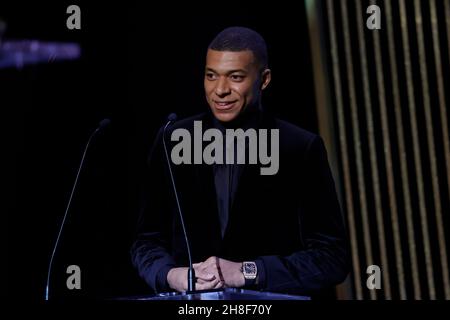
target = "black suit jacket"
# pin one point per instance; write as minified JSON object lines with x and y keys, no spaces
{"x":290,"y":223}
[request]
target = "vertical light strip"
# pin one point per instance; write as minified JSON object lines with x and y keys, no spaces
{"x":440,"y":84}
{"x":447,"y":22}
{"x":445,"y":132}
{"x":321,"y":87}
{"x":430,"y":139}
{"x":373,"y":151}
{"x":357,"y":139}
{"x":416,"y":148}
{"x":402,"y":154}
{"x":344,"y":149}
{"x":326,"y":121}
{"x":389,"y":168}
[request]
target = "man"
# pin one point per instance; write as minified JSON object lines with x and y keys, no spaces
{"x":281,"y":232}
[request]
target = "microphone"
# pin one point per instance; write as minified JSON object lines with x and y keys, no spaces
{"x":191,"y":273}
{"x":104,"y":123}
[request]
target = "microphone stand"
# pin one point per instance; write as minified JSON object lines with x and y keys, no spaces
{"x":191,"y":272}
{"x":102,"y":124}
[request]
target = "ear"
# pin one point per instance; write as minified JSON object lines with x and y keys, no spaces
{"x":266,"y":76}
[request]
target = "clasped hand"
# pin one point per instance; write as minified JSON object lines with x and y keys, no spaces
{"x":213,"y":273}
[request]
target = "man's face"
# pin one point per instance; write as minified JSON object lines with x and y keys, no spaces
{"x":232,"y":82}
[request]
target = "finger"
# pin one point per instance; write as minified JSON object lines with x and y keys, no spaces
{"x":212,"y":269}
{"x":211,"y":260}
{"x":205,"y":275}
{"x":201,"y":281}
{"x":199,"y":270}
{"x":207,"y":285}
{"x":219,"y":285}
{"x":219,"y":270}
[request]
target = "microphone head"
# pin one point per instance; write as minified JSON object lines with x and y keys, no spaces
{"x":104,"y":123}
{"x":172,"y":117}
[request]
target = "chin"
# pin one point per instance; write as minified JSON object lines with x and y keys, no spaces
{"x":225,"y":117}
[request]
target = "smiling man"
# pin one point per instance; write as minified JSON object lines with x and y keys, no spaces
{"x":234,"y":81}
{"x":281,"y":232}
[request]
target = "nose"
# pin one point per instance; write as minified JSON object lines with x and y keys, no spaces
{"x":222,"y":89}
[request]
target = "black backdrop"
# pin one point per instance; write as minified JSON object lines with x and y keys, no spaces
{"x":139,"y":63}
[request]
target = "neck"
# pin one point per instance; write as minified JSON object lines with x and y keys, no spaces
{"x":246,"y":119}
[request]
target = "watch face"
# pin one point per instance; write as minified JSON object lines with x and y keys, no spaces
{"x":249,"y":270}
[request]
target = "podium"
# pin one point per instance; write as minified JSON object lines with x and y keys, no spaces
{"x":219,"y":294}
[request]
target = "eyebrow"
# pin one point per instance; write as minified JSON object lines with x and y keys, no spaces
{"x":228,"y":72}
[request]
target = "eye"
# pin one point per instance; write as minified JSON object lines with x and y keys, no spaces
{"x":237,"y":77}
{"x":210,"y":76}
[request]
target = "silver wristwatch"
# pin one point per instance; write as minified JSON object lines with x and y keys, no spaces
{"x":249,"y":270}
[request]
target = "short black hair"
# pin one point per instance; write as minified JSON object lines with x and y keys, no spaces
{"x":240,"y":39}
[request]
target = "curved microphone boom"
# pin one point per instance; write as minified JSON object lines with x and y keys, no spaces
{"x":104,"y":123}
{"x":191,"y":273}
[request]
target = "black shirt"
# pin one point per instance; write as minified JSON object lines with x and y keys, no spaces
{"x":226,"y":176}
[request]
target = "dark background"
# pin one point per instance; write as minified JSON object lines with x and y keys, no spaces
{"x":139,"y":63}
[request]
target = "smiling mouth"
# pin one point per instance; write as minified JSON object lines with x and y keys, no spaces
{"x":224,"y":105}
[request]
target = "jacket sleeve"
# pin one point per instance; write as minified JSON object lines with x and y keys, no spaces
{"x":325,"y":260}
{"x":150,"y":251}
